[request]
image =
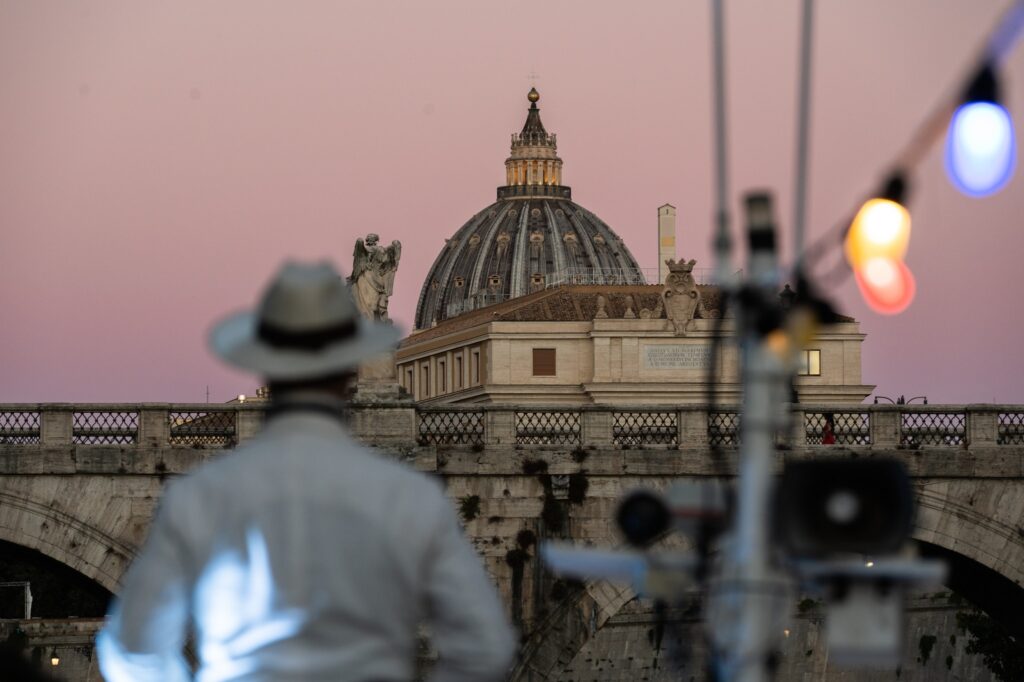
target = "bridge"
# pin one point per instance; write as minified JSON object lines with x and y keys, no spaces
{"x":80,"y":483}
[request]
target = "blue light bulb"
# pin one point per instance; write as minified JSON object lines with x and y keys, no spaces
{"x":980,"y":149}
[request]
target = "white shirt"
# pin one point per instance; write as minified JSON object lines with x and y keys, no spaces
{"x":305,"y":556}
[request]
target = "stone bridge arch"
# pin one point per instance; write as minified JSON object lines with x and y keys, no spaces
{"x":970,"y":518}
{"x":976,"y":518}
{"x":39,"y":523}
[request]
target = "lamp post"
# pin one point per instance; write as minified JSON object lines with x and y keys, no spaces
{"x":902,"y":400}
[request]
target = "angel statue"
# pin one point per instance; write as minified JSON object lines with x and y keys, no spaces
{"x":373,"y":275}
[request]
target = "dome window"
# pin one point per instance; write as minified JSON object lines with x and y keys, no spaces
{"x":494,"y":282}
{"x":459,"y":282}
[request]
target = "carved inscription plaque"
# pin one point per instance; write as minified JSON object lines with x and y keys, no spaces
{"x":677,"y":356}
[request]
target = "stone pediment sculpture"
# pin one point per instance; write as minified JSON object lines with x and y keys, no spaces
{"x":681,"y":296}
{"x":373,"y":275}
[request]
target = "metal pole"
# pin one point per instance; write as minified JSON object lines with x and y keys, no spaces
{"x":746,"y":592}
{"x":722,"y":242}
{"x":803,"y":124}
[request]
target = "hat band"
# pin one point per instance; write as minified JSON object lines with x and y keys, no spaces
{"x":306,"y":340}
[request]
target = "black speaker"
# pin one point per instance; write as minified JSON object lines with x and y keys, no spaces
{"x":642,"y":517}
{"x":837,"y":506}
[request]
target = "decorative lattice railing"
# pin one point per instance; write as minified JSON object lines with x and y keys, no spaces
{"x":688,"y":426}
{"x":105,"y":428}
{"x":1010,"y":428}
{"x":208,"y":428}
{"x":645,"y":428}
{"x":846,"y":428}
{"x":723,"y":428}
{"x":548,"y":427}
{"x":19,"y":427}
{"x":933,"y":428}
{"x":450,"y":427}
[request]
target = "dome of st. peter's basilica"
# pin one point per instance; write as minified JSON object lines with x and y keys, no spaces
{"x":534,"y":236}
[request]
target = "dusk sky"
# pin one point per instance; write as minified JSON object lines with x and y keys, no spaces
{"x":158,"y":161}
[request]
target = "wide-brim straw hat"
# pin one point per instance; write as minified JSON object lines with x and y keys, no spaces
{"x":307,"y":326}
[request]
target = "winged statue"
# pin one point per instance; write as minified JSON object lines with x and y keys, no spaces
{"x":373,"y":275}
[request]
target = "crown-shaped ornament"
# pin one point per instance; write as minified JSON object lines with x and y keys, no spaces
{"x":680,"y":267}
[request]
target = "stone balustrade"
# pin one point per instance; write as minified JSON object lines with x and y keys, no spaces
{"x":161,"y":425}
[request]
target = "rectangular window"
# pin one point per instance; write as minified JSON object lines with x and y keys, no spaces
{"x":475,"y":368}
{"x":543,"y":362}
{"x":425,"y":380}
{"x":458,"y":371}
{"x":410,"y":378}
{"x":442,"y":377}
{"x":809,"y":363}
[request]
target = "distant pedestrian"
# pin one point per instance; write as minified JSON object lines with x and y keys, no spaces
{"x":303,"y":555}
{"x":828,"y":431}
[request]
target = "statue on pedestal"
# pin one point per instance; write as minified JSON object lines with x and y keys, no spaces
{"x":373,"y":281}
{"x":373,"y":275}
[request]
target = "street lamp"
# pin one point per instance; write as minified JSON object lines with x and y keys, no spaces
{"x":902,"y":400}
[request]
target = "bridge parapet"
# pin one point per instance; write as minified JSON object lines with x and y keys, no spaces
{"x":201,"y":425}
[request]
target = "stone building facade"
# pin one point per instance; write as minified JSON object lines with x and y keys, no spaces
{"x":555,"y":346}
{"x":537,"y":300}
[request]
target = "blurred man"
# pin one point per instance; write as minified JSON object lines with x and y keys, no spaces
{"x":303,"y":555}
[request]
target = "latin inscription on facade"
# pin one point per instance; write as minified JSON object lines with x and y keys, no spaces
{"x":677,"y":356}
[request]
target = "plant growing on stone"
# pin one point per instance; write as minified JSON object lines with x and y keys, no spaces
{"x":924,"y":646}
{"x":526,"y":539}
{"x":469,"y":507}
{"x":1001,"y":652}
{"x":532,"y":467}
{"x":578,"y":486}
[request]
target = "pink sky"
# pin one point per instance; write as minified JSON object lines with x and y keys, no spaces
{"x":159,"y":160}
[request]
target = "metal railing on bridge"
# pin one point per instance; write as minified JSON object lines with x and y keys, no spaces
{"x":659,"y":427}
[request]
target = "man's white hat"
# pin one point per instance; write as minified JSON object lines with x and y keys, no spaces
{"x":307,"y":326}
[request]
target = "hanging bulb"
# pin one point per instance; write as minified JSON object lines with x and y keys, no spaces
{"x":876,"y":244}
{"x":880,"y":228}
{"x":980,"y":146}
{"x":887,"y":285}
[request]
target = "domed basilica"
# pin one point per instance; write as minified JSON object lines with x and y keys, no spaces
{"x":534,"y":236}
{"x":535,"y":300}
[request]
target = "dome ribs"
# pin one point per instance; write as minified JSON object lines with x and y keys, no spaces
{"x":584,"y":236}
{"x":555,"y":236}
{"x":518,"y":270}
